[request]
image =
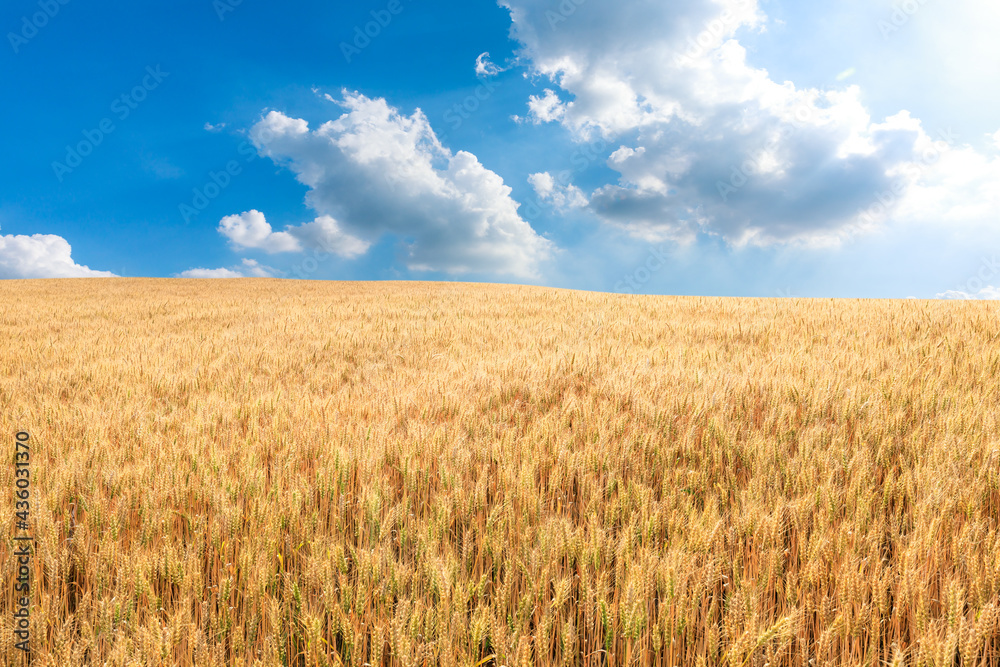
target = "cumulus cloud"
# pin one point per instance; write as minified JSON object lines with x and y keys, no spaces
{"x":251,"y":268}
{"x":708,"y":144}
{"x":374,"y":171}
{"x":559,"y":195}
{"x":41,"y":256}
{"x":947,"y":185}
{"x":545,"y":108}
{"x":325,"y":233}
{"x":250,"y":229}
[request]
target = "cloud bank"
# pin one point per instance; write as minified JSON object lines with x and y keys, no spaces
{"x":41,"y":256}
{"x":709,"y":144}
{"x":374,"y":172}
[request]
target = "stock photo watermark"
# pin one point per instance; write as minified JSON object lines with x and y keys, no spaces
{"x":31,"y":25}
{"x":582,"y":158}
{"x":216,"y":183}
{"x":223,"y":7}
{"x":23,"y":554}
{"x":902,"y":13}
{"x":885,"y":199}
{"x":308,"y":266}
{"x":462,"y":111}
{"x":122,"y":107}
{"x":634,"y":281}
{"x":980,"y":285}
{"x":366,"y":33}
{"x":566,"y":9}
{"x":711,"y":35}
{"x":741,"y":174}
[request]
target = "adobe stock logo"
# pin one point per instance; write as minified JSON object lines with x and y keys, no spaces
{"x":363,"y":35}
{"x":31,"y":25}
{"x":901,"y":15}
{"x":712,"y":35}
{"x":885,"y":200}
{"x":657,"y":260}
{"x":122,"y":106}
{"x":974,"y":286}
{"x":462,"y":111}
{"x":216,"y":184}
{"x":223,"y":7}
{"x":566,"y":9}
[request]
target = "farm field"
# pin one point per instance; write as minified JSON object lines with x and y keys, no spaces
{"x":263,"y":472}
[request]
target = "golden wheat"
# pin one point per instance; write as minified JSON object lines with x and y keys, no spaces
{"x":262,"y":472}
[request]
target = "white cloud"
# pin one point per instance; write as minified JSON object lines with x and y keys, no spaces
{"x":989,"y":292}
{"x":953,"y":186}
{"x":543,"y":184}
{"x":996,"y":138}
{"x":251,"y":269}
{"x":325,"y":233}
{"x":561,"y":196}
{"x":374,"y":171}
{"x":210,"y":273}
{"x":41,"y":256}
{"x":545,"y":109}
{"x":214,"y":128}
{"x":712,"y":145}
{"x":251,"y":230}
{"x":485,"y":66}
{"x":258,"y":270}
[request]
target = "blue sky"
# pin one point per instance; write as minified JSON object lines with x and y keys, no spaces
{"x":730,"y":147}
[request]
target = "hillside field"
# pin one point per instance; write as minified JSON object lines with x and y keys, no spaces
{"x":264,"y":472}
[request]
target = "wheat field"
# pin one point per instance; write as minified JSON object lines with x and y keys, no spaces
{"x":262,"y":472}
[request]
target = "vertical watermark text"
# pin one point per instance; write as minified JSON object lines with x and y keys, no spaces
{"x":23,"y":540}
